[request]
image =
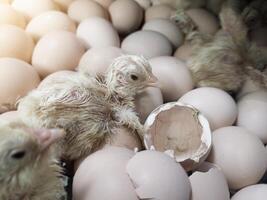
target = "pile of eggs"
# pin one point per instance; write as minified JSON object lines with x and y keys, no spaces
{"x":204,"y":131}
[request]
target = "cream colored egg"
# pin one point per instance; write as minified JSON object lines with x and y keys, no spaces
{"x":49,"y":21}
{"x":17,"y":78}
{"x":147,"y":43}
{"x":15,"y":43}
{"x":240,"y":154}
{"x":147,"y":101}
{"x":58,"y":50}
{"x":63,"y":4}
{"x":174,"y":77}
{"x":97,"y":60}
{"x":184,"y":52}
{"x":32,"y":8}
{"x":98,"y":32}
{"x":215,"y":104}
{"x":159,"y":12}
{"x":145,"y":4}
{"x":9,"y":15}
{"x":167,"y":28}
{"x":252,"y":114}
{"x":105,"y":3}
{"x":126,"y":16}
{"x":253,"y":192}
{"x":205,"y":21}
{"x":80,"y":10}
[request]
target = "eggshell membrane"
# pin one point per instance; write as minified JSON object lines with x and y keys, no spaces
{"x":63,"y":4}
{"x":205,"y":21}
{"x":208,"y":183}
{"x":252,"y":114}
{"x":255,"y":192}
{"x":190,"y":145}
{"x":58,"y":50}
{"x":126,"y":16}
{"x":145,"y":4}
{"x":49,"y":21}
{"x":159,"y":12}
{"x":167,"y":28}
{"x":9,"y":15}
{"x":105,"y":3}
{"x":97,"y":60}
{"x":216,"y":105}
{"x":184,"y":52}
{"x":97,"y":32}
{"x":15,"y":43}
{"x":165,"y":180}
{"x":80,"y":10}
{"x":17,"y":78}
{"x":147,"y":101}
{"x":32,"y":8}
{"x":10,"y":116}
{"x":240,"y":154}
{"x":173,"y":75}
{"x":147,"y":43}
{"x":102,"y":175}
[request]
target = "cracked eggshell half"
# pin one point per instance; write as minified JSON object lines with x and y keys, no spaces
{"x":181,"y":131}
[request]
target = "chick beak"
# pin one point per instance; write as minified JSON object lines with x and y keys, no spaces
{"x":47,"y":137}
{"x":153,"y":81}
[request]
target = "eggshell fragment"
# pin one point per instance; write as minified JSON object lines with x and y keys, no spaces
{"x":83,"y":9}
{"x":215,"y":104}
{"x":49,"y":21}
{"x":98,"y":32}
{"x":205,"y":21}
{"x":102,"y":175}
{"x":255,"y":192}
{"x":165,"y":180}
{"x":97,"y":60}
{"x":17,"y":78}
{"x":181,"y":131}
{"x":252,"y":114}
{"x":240,"y":154}
{"x":167,"y":28}
{"x":208,"y":183}
{"x":58,"y":50}
{"x":9,"y":15}
{"x":159,"y":12}
{"x":147,"y":43}
{"x":184,"y":52}
{"x":147,"y":101}
{"x":126,"y":16}
{"x":32,"y":8}
{"x":173,"y":75}
{"x":15,"y":43}
{"x":105,"y":3}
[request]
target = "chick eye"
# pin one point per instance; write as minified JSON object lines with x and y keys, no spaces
{"x":18,"y":155}
{"x":134,"y":77}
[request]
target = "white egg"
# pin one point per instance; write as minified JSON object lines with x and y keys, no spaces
{"x":184,"y":52}
{"x":253,"y":192}
{"x":9,"y":15}
{"x":215,"y":104}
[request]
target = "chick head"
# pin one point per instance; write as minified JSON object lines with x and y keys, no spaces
{"x":130,"y":74}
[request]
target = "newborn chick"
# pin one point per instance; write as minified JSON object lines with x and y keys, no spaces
{"x":88,"y":108}
{"x":28,"y":170}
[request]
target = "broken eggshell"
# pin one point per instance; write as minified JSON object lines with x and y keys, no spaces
{"x":181,"y":131}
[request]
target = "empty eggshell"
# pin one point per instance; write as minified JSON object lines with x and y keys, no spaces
{"x":147,"y":101}
{"x":157,"y":176}
{"x":181,"y":131}
{"x":83,"y":9}
{"x":145,"y":4}
{"x":32,"y":8}
{"x":58,"y":50}
{"x":126,"y":16}
{"x":253,"y":192}
{"x":17,"y":78}
{"x":49,"y":21}
{"x":184,"y":52}
{"x":63,"y":4}
{"x":167,"y":28}
{"x":208,"y":183}
{"x":205,"y":21}
{"x":105,"y":3}
{"x":215,"y":104}
{"x":147,"y":43}
{"x":96,"y":60}
{"x":15,"y":43}
{"x":9,"y":15}
{"x":102,"y":175}
{"x":252,"y":114}
{"x":173,"y":75}
{"x":159,"y":12}
{"x":10,"y":116}
{"x":98,"y":32}
{"x":240,"y":154}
